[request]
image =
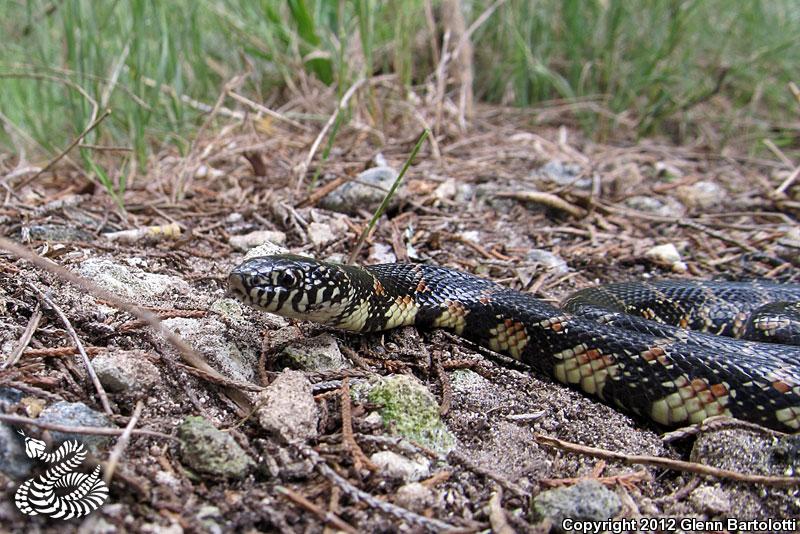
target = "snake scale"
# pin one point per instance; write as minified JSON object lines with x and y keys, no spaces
{"x":614,"y":342}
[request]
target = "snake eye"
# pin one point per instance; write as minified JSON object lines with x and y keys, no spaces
{"x":287,"y":279}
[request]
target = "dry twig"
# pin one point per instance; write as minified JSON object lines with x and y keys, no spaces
{"x":122,"y":442}
{"x":328,"y":517}
{"x":33,"y":324}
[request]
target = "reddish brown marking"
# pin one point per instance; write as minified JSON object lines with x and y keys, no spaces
{"x":781,"y":386}
{"x":421,"y":287}
{"x":378,"y":287}
{"x":557,"y":327}
{"x":654,"y":353}
{"x":698,"y":384}
{"x":684,"y":322}
{"x":485,"y":300}
{"x":719,"y":390}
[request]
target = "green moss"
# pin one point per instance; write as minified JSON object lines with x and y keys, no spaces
{"x":411,"y":411}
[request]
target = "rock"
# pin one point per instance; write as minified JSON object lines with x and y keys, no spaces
{"x":14,"y":463}
{"x":126,"y":370}
{"x":208,"y":450}
{"x":320,"y":353}
{"x":450,"y":189}
{"x":667,"y":256}
{"x":77,"y":414}
{"x":365,"y":192}
{"x":245,"y":242}
{"x":547,"y":261}
{"x":563,"y":174}
{"x":414,"y":496}
{"x":320,"y":234}
{"x":398,"y":467}
{"x":380,"y":253}
{"x":711,"y":500}
{"x":57,"y":232}
{"x":266,"y":249}
{"x":702,"y":195}
{"x":287,"y":408}
{"x":587,"y":500}
{"x":409,"y":409}
{"x":210,"y":518}
{"x":207,"y":335}
{"x":131,"y":282}
{"x":666,"y":207}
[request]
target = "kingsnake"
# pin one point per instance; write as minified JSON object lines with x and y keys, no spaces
{"x":637,"y":364}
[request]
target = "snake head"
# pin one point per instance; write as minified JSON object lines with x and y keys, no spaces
{"x":291,"y":286}
{"x":33,"y":446}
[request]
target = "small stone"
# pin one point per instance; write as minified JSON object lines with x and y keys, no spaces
{"x":14,"y":463}
{"x":320,"y":353}
{"x":287,"y":408}
{"x":409,"y":409}
{"x":710,"y":499}
{"x":210,"y":517}
{"x":587,"y":500}
{"x":131,"y":282}
{"x":266,"y":249}
{"x":57,"y":232}
{"x":414,"y":496}
{"x":320,"y":234}
{"x":702,"y":195}
{"x":381,"y":253}
{"x":667,"y":256}
{"x":365,"y":192}
{"x":126,"y":370}
{"x":398,"y":467}
{"x":77,"y":414}
{"x":245,"y":242}
{"x":564,"y":174}
{"x":547,"y":261}
{"x":666,"y":207}
{"x":208,"y":450}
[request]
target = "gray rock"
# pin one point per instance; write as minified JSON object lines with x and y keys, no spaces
{"x":131,"y":282}
{"x":547,"y":261}
{"x":414,"y":496}
{"x":57,"y":232}
{"x":563,"y":174}
{"x":320,"y":353}
{"x":381,"y":253}
{"x":266,"y":249}
{"x":587,"y":500}
{"x":397,"y":467}
{"x":207,"y":335}
{"x":365,"y":192}
{"x":14,"y":463}
{"x":287,"y":408}
{"x":245,"y":242}
{"x":208,"y":450}
{"x":710,"y":499}
{"x":126,"y":371}
{"x":77,"y":414}
{"x":666,"y":207}
{"x":320,"y":234}
{"x":210,"y":517}
{"x":702,"y":195}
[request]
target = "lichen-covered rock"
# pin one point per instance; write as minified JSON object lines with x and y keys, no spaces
{"x":365,"y":192}
{"x":208,"y":450}
{"x":257,"y":238}
{"x":287,"y":409}
{"x":587,"y":500}
{"x":410,"y":410}
{"x":319,"y":353}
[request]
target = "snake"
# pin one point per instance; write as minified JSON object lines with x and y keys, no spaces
{"x":626,"y":344}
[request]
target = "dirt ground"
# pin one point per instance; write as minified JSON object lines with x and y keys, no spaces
{"x":463,"y":204}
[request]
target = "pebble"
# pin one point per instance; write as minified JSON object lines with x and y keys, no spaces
{"x":667,"y":256}
{"x":287,"y":408}
{"x":245,"y":242}
{"x":131,"y":282}
{"x":77,"y":414}
{"x":320,"y":353}
{"x":57,"y":232}
{"x":208,"y":450}
{"x":414,"y":496}
{"x":398,"y":467}
{"x":563,"y":174}
{"x":587,"y":500}
{"x":320,"y":234}
{"x":126,"y":370}
{"x":702,"y":195}
{"x":666,"y":207}
{"x":381,"y":253}
{"x":365,"y":192}
{"x":710,"y":499}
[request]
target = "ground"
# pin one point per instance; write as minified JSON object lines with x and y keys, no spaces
{"x":464,"y":205}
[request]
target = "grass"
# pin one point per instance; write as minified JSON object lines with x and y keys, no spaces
{"x":656,"y":60}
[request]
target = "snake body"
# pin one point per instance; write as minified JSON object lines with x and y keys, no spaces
{"x":640,"y":364}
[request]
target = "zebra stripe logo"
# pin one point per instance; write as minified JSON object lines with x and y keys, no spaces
{"x":60,"y":492}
